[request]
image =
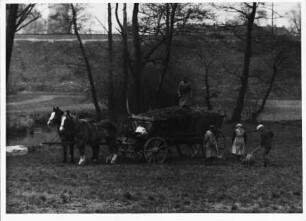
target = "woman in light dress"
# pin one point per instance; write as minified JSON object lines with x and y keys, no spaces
{"x":239,"y":140}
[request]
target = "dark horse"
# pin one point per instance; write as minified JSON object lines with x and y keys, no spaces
{"x":93,"y":134}
{"x":55,"y":119}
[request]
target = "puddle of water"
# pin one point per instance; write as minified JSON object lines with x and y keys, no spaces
{"x":41,"y":134}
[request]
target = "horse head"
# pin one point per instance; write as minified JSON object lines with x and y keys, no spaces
{"x":55,"y":117}
{"x":68,"y":122}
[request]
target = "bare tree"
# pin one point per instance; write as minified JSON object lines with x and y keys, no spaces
{"x":110,"y":63}
{"x":247,"y":12}
{"x":125,"y":50}
{"x":138,"y":67}
{"x":59,"y":20}
{"x":208,"y":60}
{"x":295,"y":20}
{"x":89,"y":74}
{"x":278,"y":50}
{"x":18,"y":18}
{"x":152,"y":35}
{"x":170,"y":16}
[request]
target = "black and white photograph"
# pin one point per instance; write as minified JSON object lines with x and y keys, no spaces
{"x":152,"y":108}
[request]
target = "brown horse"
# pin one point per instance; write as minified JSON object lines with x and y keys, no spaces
{"x":55,"y":119}
{"x":93,"y":134}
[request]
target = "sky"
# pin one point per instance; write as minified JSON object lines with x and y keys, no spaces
{"x":99,"y":12}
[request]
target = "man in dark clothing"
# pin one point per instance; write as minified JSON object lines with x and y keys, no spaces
{"x":184,"y":92}
{"x":265,"y":142}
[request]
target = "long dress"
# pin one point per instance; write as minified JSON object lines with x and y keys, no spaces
{"x":210,"y":144}
{"x":239,"y":141}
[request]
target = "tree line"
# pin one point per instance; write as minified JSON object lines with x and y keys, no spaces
{"x":149,"y":38}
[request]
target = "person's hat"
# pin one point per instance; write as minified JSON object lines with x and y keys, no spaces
{"x":238,"y":125}
{"x":259,"y":127}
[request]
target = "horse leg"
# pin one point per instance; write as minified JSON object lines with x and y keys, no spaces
{"x":95,"y":152}
{"x":82,"y":154}
{"x":64,"y":153}
{"x":113,"y":148}
{"x":71,"y":153}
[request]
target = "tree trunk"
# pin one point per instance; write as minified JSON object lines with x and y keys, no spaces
{"x":126,"y":63}
{"x":89,"y":74}
{"x":263,"y":103}
{"x":125,"y":56}
{"x":111,"y":102}
{"x":170,"y":14}
{"x":10,"y":35}
{"x":138,"y":59}
{"x":236,"y":116}
{"x":207,"y":96}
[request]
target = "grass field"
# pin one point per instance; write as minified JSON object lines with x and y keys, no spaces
{"x":29,"y":103}
{"x":39,"y":183}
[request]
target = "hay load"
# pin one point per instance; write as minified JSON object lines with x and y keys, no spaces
{"x":176,"y":120}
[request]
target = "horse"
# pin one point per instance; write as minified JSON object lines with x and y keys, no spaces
{"x":55,"y":119}
{"x":93,"y":134}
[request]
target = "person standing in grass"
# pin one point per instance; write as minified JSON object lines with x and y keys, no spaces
{"x":210,"y":145}
{"x":239,"y":140}
{"x":266,"y":137}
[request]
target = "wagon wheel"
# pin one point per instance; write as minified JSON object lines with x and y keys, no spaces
{"x":221,"y":143}
{"x":155,"y":150}
{"x":188,"y":150}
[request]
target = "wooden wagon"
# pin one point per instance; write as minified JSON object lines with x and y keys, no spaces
{"x":148,"y":135}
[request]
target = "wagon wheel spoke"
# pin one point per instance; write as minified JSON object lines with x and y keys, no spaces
{"x":160,"y":155}
{"x":149,"y":160}
{"x":155,"y":150}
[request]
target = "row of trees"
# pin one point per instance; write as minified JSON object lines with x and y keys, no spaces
{"x":153,"y":30}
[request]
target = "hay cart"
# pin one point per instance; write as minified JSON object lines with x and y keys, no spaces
{"x":148,"y":135}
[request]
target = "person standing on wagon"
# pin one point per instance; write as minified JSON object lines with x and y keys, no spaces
{"x":210,"y":145}
{"x":184,"y":93}
{"x":239,"y":140}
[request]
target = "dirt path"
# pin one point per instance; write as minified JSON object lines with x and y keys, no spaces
{"x":40,"y":98}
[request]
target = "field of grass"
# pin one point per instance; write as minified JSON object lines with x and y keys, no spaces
{"x":69,"y":101}
{"x":39,"y":183}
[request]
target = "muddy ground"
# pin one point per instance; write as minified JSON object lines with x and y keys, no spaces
{"x":40,"y":183}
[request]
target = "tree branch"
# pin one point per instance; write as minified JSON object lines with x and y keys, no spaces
{"x":105,"y":29}
{"x":34,"y":19}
